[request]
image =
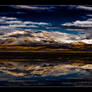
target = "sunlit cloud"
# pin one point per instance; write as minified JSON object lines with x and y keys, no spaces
{"x":41,"y":37}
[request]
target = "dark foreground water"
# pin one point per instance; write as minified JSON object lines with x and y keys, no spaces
{"x":42,"y":72}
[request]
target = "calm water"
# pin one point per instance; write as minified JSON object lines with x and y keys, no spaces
{"x":40,"y":72}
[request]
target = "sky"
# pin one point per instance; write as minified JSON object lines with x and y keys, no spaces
{"x":52,"y":14}
{"x":66,"y":19}
{"x":61,"y":23}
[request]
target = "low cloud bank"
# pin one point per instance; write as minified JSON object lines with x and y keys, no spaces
{"x":40,"y":37}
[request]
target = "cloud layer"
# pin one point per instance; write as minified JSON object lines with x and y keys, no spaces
{"x":78,"y":23}
{"x":33,"y":7}
{"x":15,"y":32}
{"x":84,"y":7}
{"x":84,"y":26}
{"x":10,"y":24}
{"x":41,"y":38}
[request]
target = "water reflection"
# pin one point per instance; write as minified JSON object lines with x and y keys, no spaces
{"x":27,"y":72}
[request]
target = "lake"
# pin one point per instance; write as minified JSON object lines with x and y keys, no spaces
{"x":45,"y":72}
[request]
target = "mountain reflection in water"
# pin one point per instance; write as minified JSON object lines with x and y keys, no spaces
{"x":27,"y":72}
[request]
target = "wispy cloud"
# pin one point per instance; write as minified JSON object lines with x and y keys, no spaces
{"x":89,"y":8}
{"x":78,"y":23}
{"x":12,"y":24}
{"x":80,"y":26}
{"x":32,"y":7}
{"x":36,"y":23}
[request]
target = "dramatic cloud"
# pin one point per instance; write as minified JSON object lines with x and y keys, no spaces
{"x":15,"y":36}
{"x":16,"y":32}
{"x":40,"y":37}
